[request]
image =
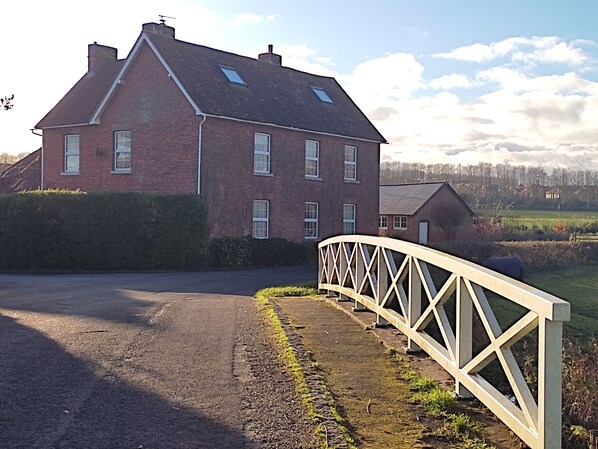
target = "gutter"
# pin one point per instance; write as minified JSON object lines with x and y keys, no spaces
{"x":199,"y":155}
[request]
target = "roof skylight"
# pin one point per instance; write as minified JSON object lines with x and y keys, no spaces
{"x":322,"y":95}
{"x":232,"y":75}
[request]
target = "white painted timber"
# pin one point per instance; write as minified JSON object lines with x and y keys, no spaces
{"x":364,"y":269}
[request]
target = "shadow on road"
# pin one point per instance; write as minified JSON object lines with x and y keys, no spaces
{"x":50,"y":399}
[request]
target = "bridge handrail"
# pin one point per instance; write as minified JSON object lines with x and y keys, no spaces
{"x":363,"y":268}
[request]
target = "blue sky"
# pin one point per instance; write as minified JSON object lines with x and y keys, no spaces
{"x":459,"y":81}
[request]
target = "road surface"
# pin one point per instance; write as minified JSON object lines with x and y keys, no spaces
{"x":140,"y":361}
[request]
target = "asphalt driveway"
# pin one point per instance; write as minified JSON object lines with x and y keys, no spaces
{"x":160,"y":360}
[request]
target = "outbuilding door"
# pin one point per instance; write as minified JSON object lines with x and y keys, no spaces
{"x":423,"y":233}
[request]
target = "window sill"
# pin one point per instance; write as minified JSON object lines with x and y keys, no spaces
{"x":313,"y":178}
{"x":69,"y":173}
{"x":120,"y":172}
{"x":350,"y":181}
{"x":400,"y":229}
{"x":256,"y":173}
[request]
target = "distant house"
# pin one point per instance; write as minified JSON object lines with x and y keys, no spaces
{"x":553,"y":194}
{"x":25,"y":174}
{"x":273,"y":151}
{"x":424,"y":213}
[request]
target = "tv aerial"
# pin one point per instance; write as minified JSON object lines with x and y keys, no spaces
{"x":163,"y":18}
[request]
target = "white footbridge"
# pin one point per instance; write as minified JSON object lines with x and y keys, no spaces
{"x":397,"y":280}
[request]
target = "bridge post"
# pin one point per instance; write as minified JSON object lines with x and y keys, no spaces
{"x":359,"y":276}
{"x":550,"y":353}
{"x":464,"y":332}
{"x":382,"y":286}
{"x":415,"y":301}
{"x":342,"y":270}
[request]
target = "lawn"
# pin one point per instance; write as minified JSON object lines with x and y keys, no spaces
{"x":578,"y":286}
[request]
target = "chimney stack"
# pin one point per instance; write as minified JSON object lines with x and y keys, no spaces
{"x":158,"y":28}
{"x":270,"y":57}
{"x":97,"y":55}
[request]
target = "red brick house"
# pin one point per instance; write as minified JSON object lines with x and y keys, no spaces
{"x":424,"y":213}
{"x":273,"y":151}
{"x":25,"y":174}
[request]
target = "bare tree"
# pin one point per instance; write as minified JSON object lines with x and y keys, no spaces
{"x":448,"y":218}
{"x":6,"y":102}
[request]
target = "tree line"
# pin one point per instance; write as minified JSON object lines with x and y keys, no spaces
{"x":487,"y":185}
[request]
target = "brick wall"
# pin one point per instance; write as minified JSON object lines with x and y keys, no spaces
{"x":164,"y":137}
{"x":230,"y":185}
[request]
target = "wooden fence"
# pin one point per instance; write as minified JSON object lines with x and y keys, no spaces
{"x":393,"y":279}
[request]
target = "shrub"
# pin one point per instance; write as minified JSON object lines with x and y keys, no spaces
{"x":580,"y":383}
{"x":536,"y":255}
{"x":548,"y":255}
{"x":66,"y":230}
{"x":243,"y":252}
{"x":276,"y":251}
{"x":230,"y":252}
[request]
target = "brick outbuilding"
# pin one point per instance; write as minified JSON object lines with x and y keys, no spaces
{"x":426,"y":212}
{"x":273,"y":151}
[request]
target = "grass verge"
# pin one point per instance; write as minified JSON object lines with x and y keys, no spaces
{"x":288,"y":354}
{"x":458,"y":427}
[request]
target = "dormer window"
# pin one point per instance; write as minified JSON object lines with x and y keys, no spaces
{"x":232,"y":75}
{"x":322,"y":95}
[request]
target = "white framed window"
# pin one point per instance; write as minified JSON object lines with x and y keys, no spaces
{"x":311,"y":220}
{"x":350,"y":163}
{"x":383,"y":222}
{"x":400,"y":222}
{"x":122,"y":150}
{"x":322,"y":95}
{"x":348,"y":218}
{"x":232,"y":75}
{"x":261,"y":153}
{"x":261,"y":212}
{"x":71,"y":153}
{"x":312,"y":158}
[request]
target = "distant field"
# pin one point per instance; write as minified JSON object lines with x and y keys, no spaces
{"x":547,"y":219}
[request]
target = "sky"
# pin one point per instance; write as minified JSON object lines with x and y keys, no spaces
{"x":460,"y":82}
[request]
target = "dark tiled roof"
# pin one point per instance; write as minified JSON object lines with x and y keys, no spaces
{"x":273,"y":94}
{"x":79,"y":104}
{"x":406,"y":199}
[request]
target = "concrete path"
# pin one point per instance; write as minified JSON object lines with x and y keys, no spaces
{"x":167,"y":360}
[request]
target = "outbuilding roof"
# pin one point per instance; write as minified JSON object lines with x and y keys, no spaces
{"x":407,"y":199}
{"x":269,"y":93}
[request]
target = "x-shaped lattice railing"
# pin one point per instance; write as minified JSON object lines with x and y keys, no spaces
{"x":367,"y":270}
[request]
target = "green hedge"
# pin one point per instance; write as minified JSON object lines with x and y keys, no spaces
{"x":66,"y":230}
{"x":536,"y":255}
{"x":243,"y":252}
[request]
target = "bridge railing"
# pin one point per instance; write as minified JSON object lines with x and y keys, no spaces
{"x":395,"y":280}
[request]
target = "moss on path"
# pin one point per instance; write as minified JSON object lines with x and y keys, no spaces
{"x":361,"y":378}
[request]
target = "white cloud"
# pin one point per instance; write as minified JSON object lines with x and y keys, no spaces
{"x":382,"y":81}
{"x":417,"y":32}
{"x":472,"y":53}
{"x":547,"y":49}
{"x":447,"y":82}
{"x":252,"y":18}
